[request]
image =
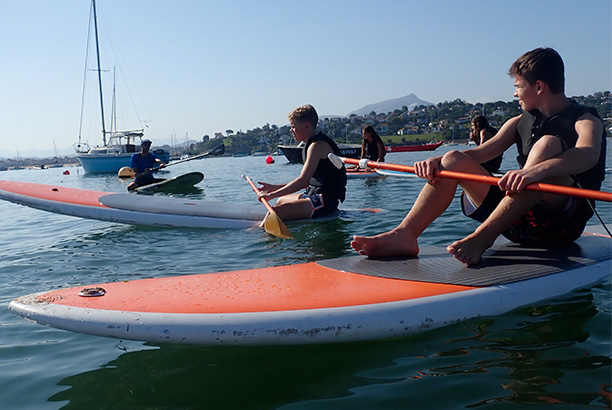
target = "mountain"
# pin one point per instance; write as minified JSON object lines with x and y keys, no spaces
{"x":386,"y":106}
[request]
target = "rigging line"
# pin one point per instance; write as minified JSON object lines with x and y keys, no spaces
{"x":124,"y":69}
{"x":592,"y":206}
{"x":85,"y":74}
{"x":95,"y":19}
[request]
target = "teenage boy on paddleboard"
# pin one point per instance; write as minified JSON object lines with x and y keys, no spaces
{"x":324,"y":183}
{"x":558,"y":142}
{"x":142,"y":163}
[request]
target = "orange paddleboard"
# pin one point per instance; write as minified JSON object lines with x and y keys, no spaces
{"x":131,"y":208}
{"x":336,"y":300}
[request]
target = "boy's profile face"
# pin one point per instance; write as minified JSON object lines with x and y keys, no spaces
{"x":301,"y":130}
{"x":525,"y":92}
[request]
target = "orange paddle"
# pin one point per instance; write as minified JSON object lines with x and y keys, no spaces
{"x":272,"y":223}
{"x":485,"y":179}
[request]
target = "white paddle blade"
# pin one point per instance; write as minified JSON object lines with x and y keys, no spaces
{"x":336,"y":160}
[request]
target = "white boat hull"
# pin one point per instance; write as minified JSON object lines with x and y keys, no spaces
{"x":104,"y":164}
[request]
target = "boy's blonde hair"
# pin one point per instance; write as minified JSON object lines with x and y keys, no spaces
{"x":305,"y":113}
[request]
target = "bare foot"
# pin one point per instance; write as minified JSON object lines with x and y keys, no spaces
{"x":392,"y":243}
{"x":469,"y":250}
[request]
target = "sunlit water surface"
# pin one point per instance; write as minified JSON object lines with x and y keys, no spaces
{"x":555,"y":354}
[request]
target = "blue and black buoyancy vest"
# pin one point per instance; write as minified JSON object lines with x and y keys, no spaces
{"x":530,"y":129}
{"x":327,"y":179}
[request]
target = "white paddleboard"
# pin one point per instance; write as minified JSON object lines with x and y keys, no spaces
{"x":395,"y":173}
{"x":132,"y":209}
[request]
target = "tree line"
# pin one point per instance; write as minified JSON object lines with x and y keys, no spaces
{"x":445,"y":121}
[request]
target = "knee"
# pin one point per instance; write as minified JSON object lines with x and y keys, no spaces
{"x":454,"y":159}
{"x":548,"y":146}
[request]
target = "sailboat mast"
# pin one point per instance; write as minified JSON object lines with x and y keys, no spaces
{"x":99,"y":71}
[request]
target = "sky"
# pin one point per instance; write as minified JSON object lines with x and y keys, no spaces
{"x":189,"y":68}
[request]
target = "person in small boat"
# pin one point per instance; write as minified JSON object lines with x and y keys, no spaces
{"x":558,"y":142}
{"x":142,"y":163}
{"x":324,"y":184}
{"x":481,"y":132}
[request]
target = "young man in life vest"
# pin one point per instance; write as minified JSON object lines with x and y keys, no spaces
{"x":558,"y":142}
{"x":324,"y":183}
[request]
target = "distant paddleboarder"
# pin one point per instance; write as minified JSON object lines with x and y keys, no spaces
{"x":142,"y":165}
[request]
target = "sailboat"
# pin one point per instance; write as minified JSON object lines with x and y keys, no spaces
{"x":56,"y":160}
{"x":117,"y":146}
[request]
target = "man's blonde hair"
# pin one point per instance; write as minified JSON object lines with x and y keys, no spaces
{"x":305,"y":113}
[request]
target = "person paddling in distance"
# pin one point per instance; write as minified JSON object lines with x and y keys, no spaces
{"x":324,"y":183}
{"x":558,"y":142}
{"x":142,"y":163}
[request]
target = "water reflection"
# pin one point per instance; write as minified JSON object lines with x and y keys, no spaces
{"x":534,"y":351}
{"x":218,"y":378}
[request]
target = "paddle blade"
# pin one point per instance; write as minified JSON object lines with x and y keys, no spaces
{"x":275,"y":226}
{"x":218,"y":150}
{"x":336,"y":160}
{"x":272,"y":223}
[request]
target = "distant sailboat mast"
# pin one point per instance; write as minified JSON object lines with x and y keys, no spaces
{"x":99,"y":71}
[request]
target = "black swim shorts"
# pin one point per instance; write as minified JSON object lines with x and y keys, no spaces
{"x":540,"y":225}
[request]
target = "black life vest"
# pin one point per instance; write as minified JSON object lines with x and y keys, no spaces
{"x":327,"y":179}
{"x":531,"y":128}
{"x":493,"y":165}
{"x":371,"y":151}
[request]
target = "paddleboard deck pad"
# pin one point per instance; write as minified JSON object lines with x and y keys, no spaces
{"x":132,"y":209}
{"x":173,"y":184}
{"x":340,"y":300}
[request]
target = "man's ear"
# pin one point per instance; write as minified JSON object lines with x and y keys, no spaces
{"x":539,"y":86}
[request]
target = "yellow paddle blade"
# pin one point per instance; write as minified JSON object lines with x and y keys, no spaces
{"x":275,"y":226}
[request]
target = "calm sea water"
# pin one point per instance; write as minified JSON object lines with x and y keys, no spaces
{"x":556,"y":354}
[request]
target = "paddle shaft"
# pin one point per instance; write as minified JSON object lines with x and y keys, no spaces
{"x":487,"y":179}
{"x":257,"y":191}
{"x":190,"y":158}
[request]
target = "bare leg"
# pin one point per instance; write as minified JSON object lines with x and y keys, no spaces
{"x":470,"y":249}
{"x":402,"y":240}
{"x":291,"y":207}
{"x":433,"y":200}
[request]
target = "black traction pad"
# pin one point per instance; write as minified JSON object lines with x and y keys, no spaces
{"x":504,"y":263}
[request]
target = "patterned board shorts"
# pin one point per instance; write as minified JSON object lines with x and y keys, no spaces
{"x":539,"y":225}
{"x":321,"y":205}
